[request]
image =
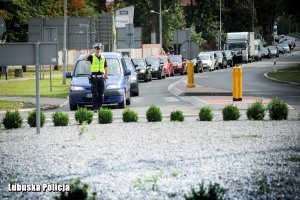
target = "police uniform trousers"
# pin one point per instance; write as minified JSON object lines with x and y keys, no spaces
{"x":97,"y":82}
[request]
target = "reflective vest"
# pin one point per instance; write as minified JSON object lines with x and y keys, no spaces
{"x":98,"y":65}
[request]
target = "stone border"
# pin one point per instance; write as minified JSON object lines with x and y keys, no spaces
{"x":280,"y":81}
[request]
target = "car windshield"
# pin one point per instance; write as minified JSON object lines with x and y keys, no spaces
{"x":83,"y":68}
{"x":204,"y":57}
{"x":113,"y":67}
{"x":139,"y":62}
{"x":175,"y":58}
{"x":163,"y":59}
{"x":152,"y":61}
{"x":234,"y":46}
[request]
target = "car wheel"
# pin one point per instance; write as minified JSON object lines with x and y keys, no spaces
{"x":128,"y":101}
{"x":123,"y":103}
{"x":72,"y":106}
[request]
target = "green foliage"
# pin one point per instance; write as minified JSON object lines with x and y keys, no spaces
{"x":213,"y":192}
{"x":78,"y":191}
{"x":177,"y":116}
{"x":130,"y":116}
{"x":12,"y":119}
{"x":105,"y":116}
{"x":230,"y":112}
{"x":82,"y":128}
{"x":32,"y":118}
{"x":60,"y":119}
{"x":84,"y":115}
{"x":278,"y":109}
{"x":206,"y":114}
{"x":256,"y":111}
{"x":153,"y":114}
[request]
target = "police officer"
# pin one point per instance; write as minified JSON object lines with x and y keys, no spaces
{"x":98,"y":75}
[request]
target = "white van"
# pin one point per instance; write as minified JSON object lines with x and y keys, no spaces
{"x":258,"y":47}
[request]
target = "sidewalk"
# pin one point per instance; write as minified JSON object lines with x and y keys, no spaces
{"x":215,"y":98}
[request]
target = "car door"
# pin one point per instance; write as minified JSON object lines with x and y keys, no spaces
{"x":127,"y":78}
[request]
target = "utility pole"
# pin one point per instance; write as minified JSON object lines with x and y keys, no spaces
{"x":253,"y":17}
{"x":65,"y":43}
{"x":160,"y":28}
{"x":220,"y":36}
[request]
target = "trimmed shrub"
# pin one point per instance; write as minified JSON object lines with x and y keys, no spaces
{"x":84,"y":115}
{"x":12,"y":119}
{"x":256,"y":111}
{"x":206,"y":114}
{"x":105,"y":116}
{"x":230,"y":112}
{"x":213,"y":192}
{"x":31,"y":120}
{"x":154,"y":114}
{"x":78,"y":191}
{"x":130,"y":116}
{"x":177,"y":116}
{"x":60,"y":119}
{"x":278,"y":109}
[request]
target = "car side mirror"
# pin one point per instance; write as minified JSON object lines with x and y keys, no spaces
{"x":68,"y":75}
{"x":128,"y":72}
{"x":135,"y":66}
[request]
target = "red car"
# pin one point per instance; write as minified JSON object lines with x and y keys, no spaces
{"x":168,"y":65}
{"x":179,"y":64}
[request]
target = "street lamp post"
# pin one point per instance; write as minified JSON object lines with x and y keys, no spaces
{"x":160,"y":25}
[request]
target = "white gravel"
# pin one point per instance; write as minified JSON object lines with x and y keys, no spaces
{"x":156,"y":160}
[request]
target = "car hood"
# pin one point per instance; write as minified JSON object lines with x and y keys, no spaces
{"x":84,"y":81}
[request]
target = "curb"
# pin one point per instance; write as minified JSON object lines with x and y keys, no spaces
{"x":279,"y":81}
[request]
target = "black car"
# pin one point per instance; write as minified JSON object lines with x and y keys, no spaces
{"x":265,"y":53}
{"x":157,"y":68}
{"x":141,"y":68}
{"x":133,"y":78}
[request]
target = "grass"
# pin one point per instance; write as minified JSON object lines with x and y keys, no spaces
{"x":30,"y":72}
{"x":291,"y":74}
{"x":15,"y":105}
{"x":294,"y":159}
{"x":27,"y":88}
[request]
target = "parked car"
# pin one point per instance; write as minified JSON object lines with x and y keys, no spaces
{"x":168,"y":65}
{"x":157,"y":69}
{"x":280,"y":48}
{"x":265,"y":53}
{"x":134,"y":79}
{"x":198,"y":67}
{"x":207,"y":61}
{"x":229,"y":56}
{"x":214,"y":58}
{"x":286,"y":47}
{"x":179,"y":64}
{"x":117,"y":86}
{"x":143,"y":71}
{"x":222,"y":62}
{"x":274,"y":51}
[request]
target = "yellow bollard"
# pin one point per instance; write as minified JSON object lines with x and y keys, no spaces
{"x":237,"y":83}
{"x":190,"y":73}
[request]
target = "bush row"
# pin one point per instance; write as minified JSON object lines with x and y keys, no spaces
{"x":278,"y":110}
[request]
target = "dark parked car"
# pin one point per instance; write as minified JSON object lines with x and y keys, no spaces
{"x":117,"y":86}
{"x":229,"y":55}
{"x":274,"y":51}
{"x":280,"y":48}
{"x":265,"y":53}
{"x":134,"y":79}
{"x":179,"y":64}
{"x":157,"y":68}
{"x":143,"y":71}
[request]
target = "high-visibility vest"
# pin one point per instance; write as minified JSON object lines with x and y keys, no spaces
{"x":98,"y":65}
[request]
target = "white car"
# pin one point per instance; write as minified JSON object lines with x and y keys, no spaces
{"x":207,"y":61}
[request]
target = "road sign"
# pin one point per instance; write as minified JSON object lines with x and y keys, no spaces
{"x":180,"y":36}
{"x":47,"y":52}
{"x":2,"y":26}
{"x":189,"y":50}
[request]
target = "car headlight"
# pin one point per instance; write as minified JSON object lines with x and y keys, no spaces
{"x":155,"y":68}
{"x":77,"y":88}
{"x":112,"y":86}
{"x":142,"y":70}
{"x":133,"y":78}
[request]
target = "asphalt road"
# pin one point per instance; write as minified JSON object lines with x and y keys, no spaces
{"x":254,"y":82}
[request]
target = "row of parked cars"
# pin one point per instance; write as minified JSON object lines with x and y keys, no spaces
{"x":285,"y":46}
